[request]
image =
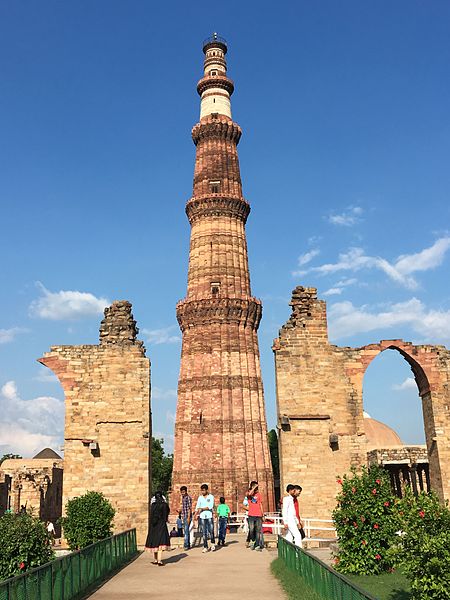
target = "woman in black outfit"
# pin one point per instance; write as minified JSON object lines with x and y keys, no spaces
{"x":158,"y":536}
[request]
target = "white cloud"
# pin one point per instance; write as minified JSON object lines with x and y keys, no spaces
{"x":16,"y":440}
{"x":408,"y":384}
{"x":168,"y":440}
{"x":9,"y":390}
{"x":66,"y":304}
{"x":8,"y":335}
{"x":400,"y":270}
{"x":348,"y":218}
{"x":46,"y":376}
{"x":161,"y":394}
{"x":28,"y":426}
{"x":170,"y":417}
{"x":431,"y":326}
{"x":338,"y":287}
{"x":161,"y":336}
{"x":307,"y":257}
{"x":334,"y":291}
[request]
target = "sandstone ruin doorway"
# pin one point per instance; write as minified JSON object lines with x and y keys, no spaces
{"x":394,"y":420}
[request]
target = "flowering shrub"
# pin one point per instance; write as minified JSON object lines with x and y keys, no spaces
{"x":24,"y":544}
{"x":88,"y":519}
{"x":366,"y":520}
{"x":424,"y":547}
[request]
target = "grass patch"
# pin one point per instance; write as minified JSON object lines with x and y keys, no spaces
{"x":294,"y":585}
{"x":388,"y":586}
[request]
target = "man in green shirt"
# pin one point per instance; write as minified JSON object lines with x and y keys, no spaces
{"x":223,"y":510}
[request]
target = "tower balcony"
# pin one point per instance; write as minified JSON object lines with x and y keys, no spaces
{"x":215,"y":81}
{"x":217,"y":205}
{"x":206,"y":311}
{"x":215,"y":41}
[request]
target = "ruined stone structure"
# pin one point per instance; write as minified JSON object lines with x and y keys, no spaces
{"x":220,"y":431}
{"x":35,"y":483}
{"x":320,"y":404}
{"x":107,"y":425}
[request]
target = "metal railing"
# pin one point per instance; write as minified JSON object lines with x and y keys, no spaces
{"x":328,"y":584}
{"x":314,"y":528}
{"x":71,"y":575}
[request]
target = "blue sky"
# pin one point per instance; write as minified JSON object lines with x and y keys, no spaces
{"x":344,"y":160}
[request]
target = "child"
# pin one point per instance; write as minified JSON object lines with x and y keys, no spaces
{"x":223,"y":510}
{"x":180,"y":525}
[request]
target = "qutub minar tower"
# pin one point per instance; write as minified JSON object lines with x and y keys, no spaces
{"x":221,"y":429}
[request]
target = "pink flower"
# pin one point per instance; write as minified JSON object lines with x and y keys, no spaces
{"x":386,"y":503}
{"x":353,"y":490}
{"x":421,"y":514}
{"x":22,"y":565}
{"x":376,"y":526}
{"x":378,"y":481}
{"x":336,"y":560}
{"x":374,"y":491}
{"x":377,"y":556}
{"x":355,"y":524}
{"x":339,"y":481}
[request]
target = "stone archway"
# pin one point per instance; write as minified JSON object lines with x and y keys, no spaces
{"x":430,"y":366}
{"x":320,"y":404}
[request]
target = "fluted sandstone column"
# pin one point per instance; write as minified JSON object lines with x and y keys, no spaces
{"x":221,"y":430}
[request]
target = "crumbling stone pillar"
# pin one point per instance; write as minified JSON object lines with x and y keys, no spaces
{"x":107,"y":424}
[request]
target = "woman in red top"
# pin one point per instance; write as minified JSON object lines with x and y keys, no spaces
{"x":255,"y":516}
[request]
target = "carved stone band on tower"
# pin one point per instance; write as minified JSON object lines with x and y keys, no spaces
{"x":221,"y":429}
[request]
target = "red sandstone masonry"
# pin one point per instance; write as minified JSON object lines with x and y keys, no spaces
{"x":107,"y":392}
{"x":316,"y":379}
{"x":221,"y":429}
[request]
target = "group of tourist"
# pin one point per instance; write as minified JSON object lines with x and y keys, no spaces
{"x":290,"y":515}
{"x":158,"y":538}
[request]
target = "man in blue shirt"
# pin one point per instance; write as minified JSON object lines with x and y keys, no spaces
{"x":204,"y":509}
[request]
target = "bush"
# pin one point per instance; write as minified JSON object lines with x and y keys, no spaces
{"x":88,"y":519}
{"x":424,"y":547}
{"x":366,"y":520}
{"x":25,"y":544}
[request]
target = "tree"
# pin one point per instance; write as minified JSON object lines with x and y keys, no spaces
{"x":88,"y":520}
{"x":366,"y":520}
{"x":161,"y":467}
{"x":273,"y":448}
{"x":423,"y":549}
{"x":7,"y":456}
{"x":25,"y":544}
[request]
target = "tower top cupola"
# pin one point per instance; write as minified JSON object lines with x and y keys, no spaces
{"x":215,"y":88}
{"x":215,"y":41}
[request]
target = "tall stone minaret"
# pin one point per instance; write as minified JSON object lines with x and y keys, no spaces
{"x":221,"y":430}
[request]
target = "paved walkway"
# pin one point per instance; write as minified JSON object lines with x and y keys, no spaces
{"x":230,"y":572}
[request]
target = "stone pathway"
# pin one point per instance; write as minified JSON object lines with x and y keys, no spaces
{"x":230,"y":572}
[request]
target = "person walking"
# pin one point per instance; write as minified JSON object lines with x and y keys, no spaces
{"x":179,"y":525}
{"x":223,"y":510}
{"x":51,"y":531}
{"x":186,"y":515}
{"x":204,"y":510}
{"x":158,"y":538}
{"x":298,"y":491}
{"x":289,"y":517}
{"x":255,"y":516}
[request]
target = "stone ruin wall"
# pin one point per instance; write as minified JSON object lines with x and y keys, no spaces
{"x":107,"y":424}
{"x":36,"y":484}
{"x":320,"y":404}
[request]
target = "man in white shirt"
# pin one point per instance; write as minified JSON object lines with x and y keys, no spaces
{"x":204,"y":509}
{"x":289,"y":517}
